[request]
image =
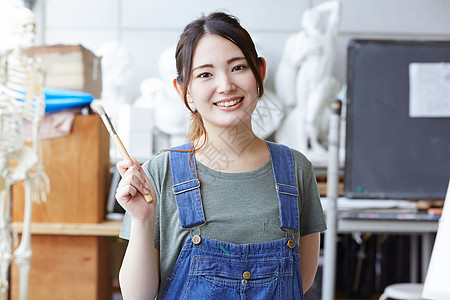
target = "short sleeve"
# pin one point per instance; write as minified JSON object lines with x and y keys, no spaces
{"x":312,"y":219}
{"x":156,"y":169}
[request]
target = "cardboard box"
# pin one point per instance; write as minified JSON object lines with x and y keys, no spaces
{"x":78,"y":167}
{"x":71,"y":67}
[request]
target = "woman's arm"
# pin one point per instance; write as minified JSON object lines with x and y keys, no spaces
{"x":309,"y":258}
{"x":139,"y":274}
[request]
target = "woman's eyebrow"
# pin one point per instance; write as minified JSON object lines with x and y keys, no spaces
{"x":231,"y":60}
{"x":203,"y":66}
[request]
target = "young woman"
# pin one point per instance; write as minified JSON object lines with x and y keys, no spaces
{"x":233,"y":216}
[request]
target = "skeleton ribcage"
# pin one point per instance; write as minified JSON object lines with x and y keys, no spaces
{"x":11,"y":125}
{"x":24,"y":84}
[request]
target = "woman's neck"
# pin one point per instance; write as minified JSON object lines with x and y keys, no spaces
{"x":233,"y":150}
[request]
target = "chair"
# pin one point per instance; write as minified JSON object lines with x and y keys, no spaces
{"x":437,"y":284}
{"x":403,"y":291}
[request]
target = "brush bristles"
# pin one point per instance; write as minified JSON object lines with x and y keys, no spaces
{"x":99,"y":109}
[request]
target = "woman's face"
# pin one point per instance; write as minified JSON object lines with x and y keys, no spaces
{"x":223,"y":86}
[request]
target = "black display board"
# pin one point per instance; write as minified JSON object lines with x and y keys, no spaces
{"x":390,"y":155}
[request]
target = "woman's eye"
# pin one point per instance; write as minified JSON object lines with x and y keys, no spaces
{"x":204,"y":75}
{"x":238,"y":68}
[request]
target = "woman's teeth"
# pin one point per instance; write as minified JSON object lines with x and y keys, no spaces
{"x":228,"y":103}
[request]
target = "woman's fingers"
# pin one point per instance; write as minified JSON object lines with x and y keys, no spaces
{"x":136,"y":179}
{"x":123,"y":165}
{"x":125,"y":193}
{"x":147,"y":183}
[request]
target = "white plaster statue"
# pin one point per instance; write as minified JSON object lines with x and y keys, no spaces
{"x":269,"y":111}
{"x":305,"y":82}
{"x":21,"y":100}
{"x":268,"y":114}
{"x":116,"y":77}
{"x":171,"y":117}
{"x":116,"y":72}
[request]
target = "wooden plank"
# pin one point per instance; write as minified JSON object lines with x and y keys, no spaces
{"x":66,"y":267}
{"x":106,"y":228}
{"x":78,"y":168}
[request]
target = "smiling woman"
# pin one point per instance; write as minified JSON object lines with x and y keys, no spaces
{"x":235,"y":216}
{"x":222,"y":81}
{"x":189,"y":39}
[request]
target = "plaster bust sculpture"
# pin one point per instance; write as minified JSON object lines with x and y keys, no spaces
{"x":116,"y":72}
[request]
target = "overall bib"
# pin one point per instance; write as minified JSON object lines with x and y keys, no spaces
{"x":211,"y":269}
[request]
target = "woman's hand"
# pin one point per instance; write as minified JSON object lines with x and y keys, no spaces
{"x":133,"y":185}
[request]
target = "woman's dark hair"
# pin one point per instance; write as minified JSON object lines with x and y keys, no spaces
{"x":226,"y":26}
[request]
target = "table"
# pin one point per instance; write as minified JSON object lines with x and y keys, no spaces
{"x":385,"y":216}
{"x":421,"y":227}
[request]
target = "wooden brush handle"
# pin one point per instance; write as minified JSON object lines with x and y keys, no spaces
{"x":126,"y":156}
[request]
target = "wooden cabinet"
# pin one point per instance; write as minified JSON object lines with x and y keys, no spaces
{"x":70,"y":261}
{"x":78,"y":167}
{"x":67,"y":267}
{"x":69,"y":242}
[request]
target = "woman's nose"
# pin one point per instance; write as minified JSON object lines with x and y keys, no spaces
{"x":225,"y":84}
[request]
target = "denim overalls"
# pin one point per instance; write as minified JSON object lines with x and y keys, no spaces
{"x":211,"y":269}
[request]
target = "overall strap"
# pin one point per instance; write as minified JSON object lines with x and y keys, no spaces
{"x":285,"y":184}
{"x":186,"y":187}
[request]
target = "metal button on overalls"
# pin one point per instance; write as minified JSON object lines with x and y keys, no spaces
{"x":196,"y":239}
{"x":291,"y":244}
{"x":246,"y":275}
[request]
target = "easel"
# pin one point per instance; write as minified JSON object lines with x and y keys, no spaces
{"x":329,"y":256}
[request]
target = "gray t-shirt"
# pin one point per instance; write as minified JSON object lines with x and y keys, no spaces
{"x":239,"y":208}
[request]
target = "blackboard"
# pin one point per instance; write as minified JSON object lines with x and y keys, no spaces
{"x":390,"y":155}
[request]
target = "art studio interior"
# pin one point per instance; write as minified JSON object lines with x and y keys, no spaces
{"x":360,"y":89}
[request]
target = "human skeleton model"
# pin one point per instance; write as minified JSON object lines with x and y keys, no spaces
{"x":304,"y":79}
{"x":21,"y":100}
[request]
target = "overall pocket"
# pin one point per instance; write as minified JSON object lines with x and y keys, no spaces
{"x":227,"y":278}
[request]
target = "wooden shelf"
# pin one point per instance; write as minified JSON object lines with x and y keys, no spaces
{"x":323,"y":188}
{"x":105,"y":228}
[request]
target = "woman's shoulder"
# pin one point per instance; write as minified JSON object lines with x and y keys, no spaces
{"x":158,"y":165}
{"x":160,"y":160}
{"x":299,"y":157}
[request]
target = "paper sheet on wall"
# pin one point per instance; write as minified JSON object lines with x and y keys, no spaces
{"x":429,"y":90}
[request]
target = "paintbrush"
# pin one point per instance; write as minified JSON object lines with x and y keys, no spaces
{"x":112,"y":132}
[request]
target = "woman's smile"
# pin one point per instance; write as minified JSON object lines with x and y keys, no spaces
{"x":229,"y":104}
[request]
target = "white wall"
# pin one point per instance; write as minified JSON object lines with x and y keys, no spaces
{"x":147,"y":27}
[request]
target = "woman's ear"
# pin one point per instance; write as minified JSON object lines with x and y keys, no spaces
{"x":262,"y":68}
{"x":180,"y":90}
